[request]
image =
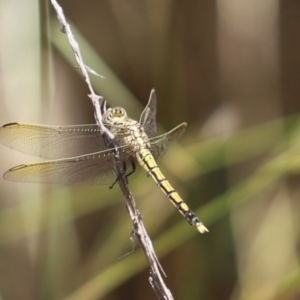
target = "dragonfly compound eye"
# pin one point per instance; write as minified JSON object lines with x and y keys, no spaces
{"x":114,"y":115}
{"x":118,"y":112}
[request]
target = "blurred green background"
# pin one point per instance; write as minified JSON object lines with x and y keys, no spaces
{"x":231,"y":69}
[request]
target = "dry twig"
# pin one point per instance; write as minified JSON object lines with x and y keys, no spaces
{"x":139,"y":231}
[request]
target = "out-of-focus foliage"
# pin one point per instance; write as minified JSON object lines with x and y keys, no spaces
{"x":230,"y":69}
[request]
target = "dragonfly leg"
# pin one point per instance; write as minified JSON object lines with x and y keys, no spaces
{"x":124,"y":172}
{"x":133,"y":169}
{"x":120,"y":176}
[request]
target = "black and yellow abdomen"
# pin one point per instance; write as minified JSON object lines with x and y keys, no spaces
{"x":147,"y":161}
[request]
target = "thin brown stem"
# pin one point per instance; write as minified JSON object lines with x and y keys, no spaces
{"x":139,"y":230}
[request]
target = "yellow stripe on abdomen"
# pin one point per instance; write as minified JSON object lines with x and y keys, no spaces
{"x":147,"y":161}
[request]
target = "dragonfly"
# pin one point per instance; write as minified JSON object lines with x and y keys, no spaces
{"x":79,"y":155}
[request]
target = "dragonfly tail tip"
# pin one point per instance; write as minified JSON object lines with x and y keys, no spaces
{"x":201,"y":228}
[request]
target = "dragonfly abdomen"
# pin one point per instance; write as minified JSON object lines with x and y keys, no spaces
{"x":147,"y":161}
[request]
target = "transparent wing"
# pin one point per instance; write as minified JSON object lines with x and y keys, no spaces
{"x":148,"y":116}
{"x":52,"y":142}
{"x":160,"y":144}
{"x":91,"y":169}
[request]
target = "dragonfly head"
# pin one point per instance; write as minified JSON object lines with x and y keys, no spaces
{"x":114,"y":116}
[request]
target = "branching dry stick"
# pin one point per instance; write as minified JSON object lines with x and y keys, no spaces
{"x":139,"y":231}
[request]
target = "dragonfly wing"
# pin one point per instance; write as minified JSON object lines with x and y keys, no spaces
{"x":160,"y":144}
{"x":52,"y":142}
{"x":91,"y":169}
{"x":148,"y":116}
